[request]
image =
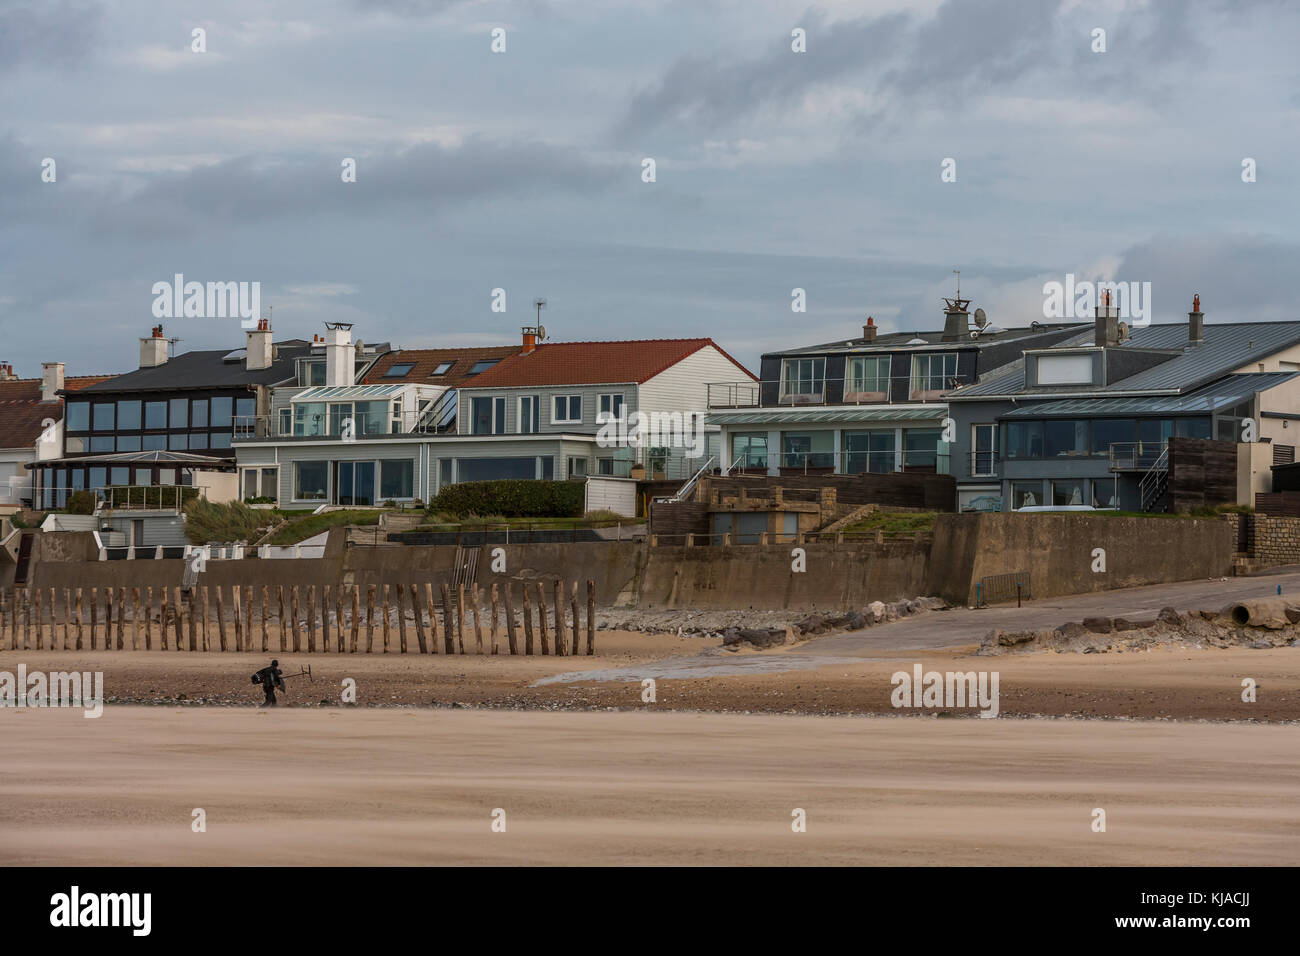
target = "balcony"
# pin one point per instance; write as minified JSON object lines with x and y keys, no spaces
{"x":1135,"y":455}
{"x":846,"y":463}
{"x":877,"y":391}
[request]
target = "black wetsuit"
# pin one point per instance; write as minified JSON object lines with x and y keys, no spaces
{"x":270,"y":681}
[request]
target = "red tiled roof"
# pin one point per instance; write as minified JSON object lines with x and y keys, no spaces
{"x":426,"y":360}
{"x":593,"y":363}
{"x":22,"y":411}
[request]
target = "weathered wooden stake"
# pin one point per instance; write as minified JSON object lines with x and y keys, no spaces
{"x":401,"y":619}
{"x":203,"y":593}
{"x":121,"y":617}
{"x":221,"y":617}
{"x":176,"y":618}
{"x":541,"y":617}
{"x":494,"y":617}
{"x":577,"y":621}
{"x":135,"y":618}
{"x":325,"y":618}
{"x":460,"y":618}
{"x":510,"y":622}
{"x":447,"y":616}
{"x":40,"y":642}
{"x":386,"y":621}
{"x":591,"y":617}
{"x":560,"y":646}
{"x":67,"y":617}
{"x":478,"y":629}
{"x":162,"y":619}
{"x":94,"y":615}
{"x":148,"y":617}
{"x":294,"y":613}
{"x":419,"y":618}
{"x":370,"y":618}
{"x":528,"y":622}
{"x":311,"y":619}
{"x":284,"y":619}
{"x":433,"y":617}
{"x":192,"y":606}
{"x":356,"y":618}
{"x":235,"y":595}
{"x":266,"y":602}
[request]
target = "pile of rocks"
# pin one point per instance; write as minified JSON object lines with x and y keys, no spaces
{"x":1102,"y":635}
{"x":877,"y":612}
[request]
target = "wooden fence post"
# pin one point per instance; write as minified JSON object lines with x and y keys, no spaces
{"x":80,"y":627}
{"x":401,"y":619}
{"x":325,"y":618}
{"x":121,"y":616}
{"x":311,"y":619}
{"x":94,"y":614}
{"x":284,"y":619}
{"x":510,"y":623}
{"x":591,"y":617}
{"x":433,"y":617}
{"x":192,"y":606}
{"x":176,"y":619}
{"x":560,"y":647}
{"x":419,"y":618}
{"x":135,"y":618}
{"x":221,"y":617}
{"x":162,"y":619}
{"x":478,"y":628}
{"x":294,"y":610}
{"x":460,"y":618}
{"x":386,"y":620}
{"x":338,"y":618}
{"x":266,"y":600}
{"x":356,"y":618}
{"x":370,"y":618}
{"x":148,"y":618}
{"x":528,"y":622}
{"x":204,"y":629}
{"x":67,"y":618}
{"x":494,"y":617}
{"x":447,"y":622}
{"x":577,"y":621}
{"x":235,"y":596}
{"x":541,"y":617}
{"x":40,"y":643}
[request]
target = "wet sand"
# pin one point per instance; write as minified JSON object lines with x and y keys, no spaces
{"x":419,"y":786}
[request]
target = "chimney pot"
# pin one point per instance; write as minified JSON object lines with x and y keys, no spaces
{"x":869,"y":330}
{"x":1196,"y":322}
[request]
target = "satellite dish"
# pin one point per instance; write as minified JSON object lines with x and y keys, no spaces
{"x":974,"y":333}
{"x":981,"y":319}
{"x":541,"y":332}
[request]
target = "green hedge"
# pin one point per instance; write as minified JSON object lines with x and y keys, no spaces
{"x":513,"y":498}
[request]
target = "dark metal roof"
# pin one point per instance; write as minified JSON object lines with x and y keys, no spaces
{"x":1223,"y":393}
{"x":893,"y":341}
{"x":1226,"y":347}
{"x":208,"y":369}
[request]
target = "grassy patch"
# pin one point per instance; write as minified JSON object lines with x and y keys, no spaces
{"x":895,"y":522}
{"x":208,"y":522}
{"x":300,"y":529}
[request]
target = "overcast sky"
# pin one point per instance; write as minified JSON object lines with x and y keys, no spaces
{"x":522,"y":170}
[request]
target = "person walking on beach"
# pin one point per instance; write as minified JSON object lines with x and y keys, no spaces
{"x":270,"y":678}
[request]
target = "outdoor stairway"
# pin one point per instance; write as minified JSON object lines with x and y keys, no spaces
{"x":1154,"y":485}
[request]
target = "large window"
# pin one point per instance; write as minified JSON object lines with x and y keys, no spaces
{"x":567,"y":409}
{"x":397,"y":479}
{"x":309,"y":418}
{"x":78,"y":419}
{"x":128,"y":416}
{"x":1069,"y":492}
{"x":1024,"y":439}
{"x":749,"y":450}
{"x":488,"y":416}
{"x":1026,"y":494}
{"x":803,"y":379}
{"x":310,"y":480}
{"x":1104,"y":494}
{"x":529,"y":422}
{"x":610,"y":407}
{"x":1110,"y":431}
{"x":870,"y":451}
{"x":808,"y":449}
{"x":155,"y":415}
{"x":491,"y":469}
{"x":104,"y":417}
{"x":925,"y":450}
{"x":199,"y":413}
{"x":867,"y":374}
{"x":180,"y":414}
{"x":984,"y":448}
{"x":934,"y":373}
{"x":222,"y":411}
{"x":1065,"y":438}
{"x":1192,"y":427}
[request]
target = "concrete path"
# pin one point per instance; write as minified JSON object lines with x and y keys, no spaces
{"x":956,"y":628}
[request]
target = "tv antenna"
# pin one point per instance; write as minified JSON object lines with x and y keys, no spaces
{"x":539,"y":304}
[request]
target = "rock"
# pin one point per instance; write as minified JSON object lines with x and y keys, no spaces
{"x":1098,"y":625}
{"x":876,"y":609}
{"x":1169,"y":615}
{"x":813,"y":624}
{"x":1124,"y":624}
{"x":1070,"y":631}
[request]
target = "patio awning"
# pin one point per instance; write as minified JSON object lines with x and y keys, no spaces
{"x":846,"y":414}
{"x":347,"y":393}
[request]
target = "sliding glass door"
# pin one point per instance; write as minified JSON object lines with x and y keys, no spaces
{"x":354,"y":482}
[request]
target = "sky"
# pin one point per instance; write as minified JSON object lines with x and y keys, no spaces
{"x":524,"y":168}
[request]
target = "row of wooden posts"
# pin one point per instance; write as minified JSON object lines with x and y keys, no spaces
{"x":23,"y":615}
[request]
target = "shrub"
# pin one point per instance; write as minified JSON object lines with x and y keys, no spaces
{"x":206,"y":521}
{"x":513,"y":498}
{"x":81,"y":503}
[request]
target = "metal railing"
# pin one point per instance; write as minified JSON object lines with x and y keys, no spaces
{"x":855,"y":462}
{"x":983,"y":464}
{"x":872,"y":391}
{"x":1136,"y":455}
{"x":436,"y":419}
{"x":147,"y":497}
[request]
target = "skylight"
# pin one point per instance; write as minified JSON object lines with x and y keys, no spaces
{"x":441,"y":369}
{"x":399,"y":369}
{"x":483,"y":365}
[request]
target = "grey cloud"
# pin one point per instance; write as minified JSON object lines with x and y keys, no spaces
{"x":48,"y":33}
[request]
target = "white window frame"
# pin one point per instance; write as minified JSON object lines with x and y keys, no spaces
{"x":854,"y":383}
{"x":521,"y":418}
{"x":926,"y":382}
{"x":611,"y":415}
{"x":991,"y":453}
{"x":815,"y":380}
{"x":568,"y":409}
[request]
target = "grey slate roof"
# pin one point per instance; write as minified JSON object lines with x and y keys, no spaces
{"x":898,"y":340}
{"x":1223,"y":393}
{"x":207,"y":369}
{"x":1226,"y":347}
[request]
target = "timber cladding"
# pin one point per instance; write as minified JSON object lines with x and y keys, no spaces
{"x":897,"y":489}
{"x":1202,"y":473}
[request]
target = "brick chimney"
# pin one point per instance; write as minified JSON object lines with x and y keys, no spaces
{"x":7,"y":372}
{"x":530,"y":338}
{"x":1107,"y":322}
{"x":51,"y":381}
{"x":869,"y":330}
{"x":258,"y":352}
{"x":1196,"y":322}
{"x":153,"y":350}
{"x":956,"y":324}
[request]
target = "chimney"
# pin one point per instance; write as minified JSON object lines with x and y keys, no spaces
{"x":7,"y":372}
{"x":530,"y":338}
{"x":51,"y":381}
{"x":340,"y":354}
{"x":869,"y":330}
{"x":1107,"y":322}
{"x":257,"y":353}
{"x":153,"y":350}
{"x":1196,"y":322}
{"x":956,"y":320}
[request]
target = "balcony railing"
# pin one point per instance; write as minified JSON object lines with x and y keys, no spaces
{"x":874,"y":391}
{"x":1135,"y":455}
{"x":852,"y":463}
